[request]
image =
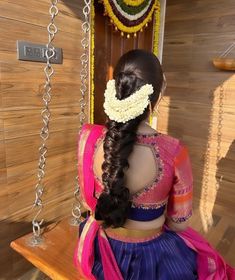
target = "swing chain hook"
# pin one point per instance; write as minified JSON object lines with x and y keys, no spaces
{"x":84,"y":58}
{"x":44,"y":134}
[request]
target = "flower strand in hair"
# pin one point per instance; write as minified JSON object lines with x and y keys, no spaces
{"x":129,"y":108}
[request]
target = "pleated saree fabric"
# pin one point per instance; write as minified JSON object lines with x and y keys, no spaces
{"x":163,"y":255}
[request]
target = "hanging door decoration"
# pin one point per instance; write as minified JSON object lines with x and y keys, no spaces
{"x":128,"y":18}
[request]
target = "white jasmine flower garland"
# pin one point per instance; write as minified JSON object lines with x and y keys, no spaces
{"x":128,"y":108}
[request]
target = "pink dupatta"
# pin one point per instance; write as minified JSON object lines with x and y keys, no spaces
{"x":84,"y":253}
{"x":210,"y":265}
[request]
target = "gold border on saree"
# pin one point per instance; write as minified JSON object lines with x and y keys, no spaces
{"x":133,"y":235}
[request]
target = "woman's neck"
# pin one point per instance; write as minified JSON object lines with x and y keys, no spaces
{"x":144,"y":127}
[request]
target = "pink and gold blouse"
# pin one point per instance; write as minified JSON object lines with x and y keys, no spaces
{"x":172,"y":187}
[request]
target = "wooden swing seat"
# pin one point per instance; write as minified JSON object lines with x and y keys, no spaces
{"x":54,"y":256}
{"x":223,"y":63}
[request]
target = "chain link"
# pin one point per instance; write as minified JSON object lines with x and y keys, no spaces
{"x":84,"y":58}
{"x":208,"y":221}
{"x":228,"y":50}
{"x":44,"y":134}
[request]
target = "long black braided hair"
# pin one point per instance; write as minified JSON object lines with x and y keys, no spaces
{"x":133,"y":70}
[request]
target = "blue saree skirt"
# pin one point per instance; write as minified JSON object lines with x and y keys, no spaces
{"x":165,"y":257}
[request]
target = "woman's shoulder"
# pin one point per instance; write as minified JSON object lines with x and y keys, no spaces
{"x":92,"y":126}
{"x":91,"y":131}
{"x":171,"y":143}
{"x":169,"y":138}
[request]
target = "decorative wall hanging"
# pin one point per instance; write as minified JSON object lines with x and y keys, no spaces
{"x":130,"y":16}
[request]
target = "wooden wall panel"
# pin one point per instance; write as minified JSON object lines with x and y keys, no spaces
{"x":20,"y":121}
{"x":195,"y":32}
{"x":102,"y":56}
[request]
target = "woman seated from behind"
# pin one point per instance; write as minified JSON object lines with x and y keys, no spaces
{"x":137,"y":184}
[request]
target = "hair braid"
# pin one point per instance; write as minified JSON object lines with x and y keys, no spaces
{"x":133,"y":70}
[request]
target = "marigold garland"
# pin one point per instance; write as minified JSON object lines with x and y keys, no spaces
{"x":133,"y":10}
{"x":133,"y":2}
{"x":131,"y":18}
{"x":156,"y":29}
{"x":119,"y":24}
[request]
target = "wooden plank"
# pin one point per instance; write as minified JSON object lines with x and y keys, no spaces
{"x":20,"y":123}
{"x":68,"y":42}
{"x":64,"y":94}
{"x":60,"y":180}
{"x":230,"y":253}
{"x":102,"y":60}
{"x":51,"y":212}
{"x":6,"y":261}
{"x":185,"y":10}
{"x":20,"y":72}
{"x":128,"y":43}
{"x":226,"y":241}
{"x":24,"y":149}
{"x":69,"y":12}
{"x":55,"y":255}
{"x":52,"y":191}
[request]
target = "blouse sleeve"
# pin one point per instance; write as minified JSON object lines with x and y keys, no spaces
{"x":179,"y":207}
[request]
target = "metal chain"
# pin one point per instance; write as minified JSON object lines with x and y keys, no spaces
{"x":76,"y":209}
{"x":228,"y":50}
{"x":44,"y":134}
{"x":205,"y":186}
{"x":219,"y":127}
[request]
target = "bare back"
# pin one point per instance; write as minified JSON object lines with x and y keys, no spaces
{"x":142,"y":172}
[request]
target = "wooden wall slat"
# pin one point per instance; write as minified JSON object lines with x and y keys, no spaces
{"x":59,"y":142}
{"x":36,"y":13}
{"x":185,"y":10}
{"x":102,"y":28}
{"x":39,"y":35}
{"x":65,"y":95}
{"x":16,"y":124}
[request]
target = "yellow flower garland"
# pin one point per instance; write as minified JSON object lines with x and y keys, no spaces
{"x":120,"y":25}
{"x":133,"y":2}
{"x":156,"y":29}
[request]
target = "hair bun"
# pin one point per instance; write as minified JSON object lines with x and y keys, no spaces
{"x":125,"y":84}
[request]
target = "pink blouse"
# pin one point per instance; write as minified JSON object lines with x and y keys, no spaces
{"x":173,"y":185}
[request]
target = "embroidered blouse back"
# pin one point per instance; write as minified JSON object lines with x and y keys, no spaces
{"x":163,"y":178}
